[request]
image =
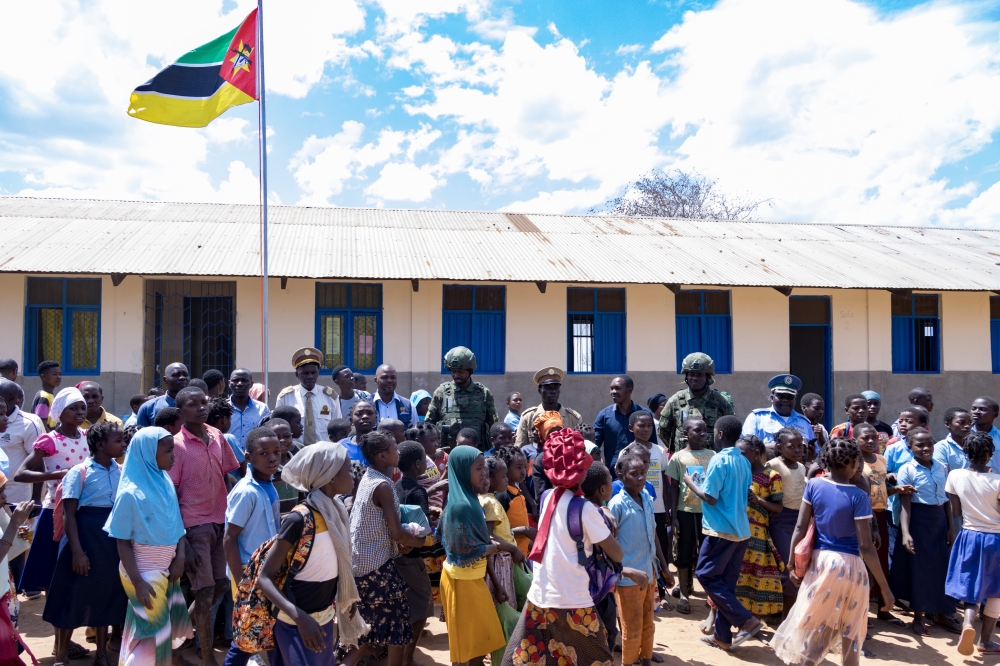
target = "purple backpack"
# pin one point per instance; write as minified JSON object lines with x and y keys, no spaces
{"x":602,"y":570}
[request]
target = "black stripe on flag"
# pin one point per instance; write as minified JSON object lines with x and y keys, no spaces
{"x":185,"y":81}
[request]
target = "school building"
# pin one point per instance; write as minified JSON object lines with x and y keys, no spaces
{"x":117,"y":290}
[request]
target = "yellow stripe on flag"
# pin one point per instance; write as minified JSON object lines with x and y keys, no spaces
{"x":185,"y":112}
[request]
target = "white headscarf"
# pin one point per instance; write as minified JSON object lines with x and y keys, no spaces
{"x":309,"y":470}
{"x":68,"y":396}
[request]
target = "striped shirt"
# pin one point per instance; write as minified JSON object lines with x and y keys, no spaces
{"x":372,"y":544}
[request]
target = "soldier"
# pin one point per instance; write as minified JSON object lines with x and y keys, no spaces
{"x":461,"y":403}
{"x":781,"y":414}
{"x":699,"y":399}
{"x":549,"y":381}
{"x":317,"y":404}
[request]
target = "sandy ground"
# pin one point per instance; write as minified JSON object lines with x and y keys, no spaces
{"x":677,"y":640}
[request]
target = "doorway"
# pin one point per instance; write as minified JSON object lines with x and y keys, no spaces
{"x":810,"y":349}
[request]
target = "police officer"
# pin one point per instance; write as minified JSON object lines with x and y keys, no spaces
{"x":462,"y":403}
{"x":764,"y":423}
{"x":317,"y":404}
{"x":549,"y":381}
{"x":699,"y":399}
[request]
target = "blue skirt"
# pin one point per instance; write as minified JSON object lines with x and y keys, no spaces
{"x":920,"y":578}
{"x":289,"y":650}
{"x":781,"y":527}
{"x":41,"y":562}
{"x":974,"y":567}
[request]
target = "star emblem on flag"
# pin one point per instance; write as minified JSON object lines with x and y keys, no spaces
{"x":242,"y":58}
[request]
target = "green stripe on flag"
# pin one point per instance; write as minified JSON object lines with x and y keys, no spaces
{"x":212,"y":52}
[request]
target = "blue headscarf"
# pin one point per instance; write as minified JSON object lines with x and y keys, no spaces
{"x":415,"y":399}
{"x":146,"y":509}
{"x":462,"y":529}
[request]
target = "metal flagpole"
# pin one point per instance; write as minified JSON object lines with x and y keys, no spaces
{"x":262,"y":147}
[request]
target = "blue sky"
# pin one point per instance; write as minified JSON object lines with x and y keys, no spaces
{"x":834,"y":111}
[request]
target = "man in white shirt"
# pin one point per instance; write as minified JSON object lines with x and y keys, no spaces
{"x":18,"y":441}
{"x":317,"y":404}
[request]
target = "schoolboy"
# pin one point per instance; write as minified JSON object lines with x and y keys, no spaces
{"x":202,"y":459}
{"x":134,"y":403}
{"x":468,"y":437}
{"x":813,"y":408}
{"x":338,"y":429}
{"x":393,"y":427}
{"x":501,"y":435}
{"x":684,"y":506}
{"x":220,"y":417}
{"x":252,"y":514}
{"x":168,"y":418}
{"x":856,"y":406}
{"x":727,"y":532}
{"x":984,"y":411}
{"x":51,"y":375}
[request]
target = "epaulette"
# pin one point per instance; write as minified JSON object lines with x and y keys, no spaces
{"x":573,"y":412}
{"x":329,"y":391}
{"x":285,"y":391}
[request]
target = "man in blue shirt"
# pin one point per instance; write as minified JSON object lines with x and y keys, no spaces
{"x":611,"y":425}
{"x":175,"y":377}
{"x":764,"y":423}
{"x":727,"y":535}
{"x":247,"y":412}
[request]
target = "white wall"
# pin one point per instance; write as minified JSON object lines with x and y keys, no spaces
{"x":651,"y":335}
{"x":12,"y":295}
{"x":536,"y":327}
{"x":760,"y":330}
{"x":965,"y":334}
{"x":122,"y":325}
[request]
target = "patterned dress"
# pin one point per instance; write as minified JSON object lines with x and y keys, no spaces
{"x":759,"y":586}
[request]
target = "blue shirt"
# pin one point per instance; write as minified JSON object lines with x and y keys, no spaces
{"x":512,"y":420}
{"x":242,"y":422}
{"x":617,"y":486}
{"x":354,"y":451}
{"x":636,"y":531}
{"x":950,"y":455}
{"x":99,"y":487}
{"x":727,"y":480}
{"x":836,"y":506}
{"x":234,"y":444}
{"x":253,"y":505}
{"x":896,"y":454}
{"x":995,"y":460}
{"x":929,"y":482}
{"x":144,"y":417}
{"x":611,"y":431}
{"x":764,"y":423}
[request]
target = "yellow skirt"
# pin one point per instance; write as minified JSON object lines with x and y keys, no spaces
{"x":473,"y":626}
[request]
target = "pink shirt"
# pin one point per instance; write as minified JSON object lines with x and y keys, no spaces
{"x":61,"y":452}
{"x":199,"y":475}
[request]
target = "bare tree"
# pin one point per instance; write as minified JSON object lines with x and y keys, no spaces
{"x":681,"y":194}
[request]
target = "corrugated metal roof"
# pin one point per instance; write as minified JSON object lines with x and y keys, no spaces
{"x":151,"y":238}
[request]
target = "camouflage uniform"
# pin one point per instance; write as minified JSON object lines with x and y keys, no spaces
{"x":458,"y":408}
{"x":710,"y":406}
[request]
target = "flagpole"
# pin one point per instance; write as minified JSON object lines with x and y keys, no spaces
{"x":262,"y":147}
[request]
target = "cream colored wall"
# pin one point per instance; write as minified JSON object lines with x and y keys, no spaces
{"x":397,"y":322}
{"x":12,"y":295}
{"x":536,"y":327}
{"x":122,"y":325}
{"x":965,"y":334}
{"x":650,"y":332}
{"x":879,"y":330}
{"x":425,"y":327}
{"x":760,"y":329}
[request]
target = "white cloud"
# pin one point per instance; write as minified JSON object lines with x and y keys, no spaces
{"x":496,"y":29}
{"x":242,"y":186}
{"x":403,"y":182}
{"x":414,"y":91}
{"x":226,"y":130}
{"x":628,"y":49}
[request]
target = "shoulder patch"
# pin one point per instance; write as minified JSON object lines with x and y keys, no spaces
{"x":573,"y":412}
{"x":329,"y":391}
{"x":285,"y":391}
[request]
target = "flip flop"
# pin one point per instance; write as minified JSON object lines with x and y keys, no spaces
{"x":967,"y":641}
{"x":891,"y":619}
{"x":710,"y":642}
{"x":993,"y":649}
{"x":684,"y":607}
{"x":743,"y":636}
{"x":948,"y":624}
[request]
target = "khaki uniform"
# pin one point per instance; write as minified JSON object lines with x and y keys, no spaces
{"x":571,"y":419}
{"x":459,"y":408}
{"x":325,"y":403}
{"x":682,"y":405}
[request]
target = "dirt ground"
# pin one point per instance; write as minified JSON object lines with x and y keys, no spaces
{"x":677,"y":640}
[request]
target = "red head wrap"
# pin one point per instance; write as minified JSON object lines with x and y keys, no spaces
{"x":566,"y":461}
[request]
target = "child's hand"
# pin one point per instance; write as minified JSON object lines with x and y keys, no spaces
{"x":500,"y":595}
{"x":81,"y":564}
{"x":310,"y":632}
{"x":905,"y":490}
{"x":636,"y":576}
{"x":21,"y":512}
{"x":908,"y":544}
{"x":144,"y":593}
{"x":176,"y":569}
{"x":951,"y":536}
{"x":888,"y":600}
{"x":517,"y":555}
{"x":792,"y":576}
{"x":353,"y":611}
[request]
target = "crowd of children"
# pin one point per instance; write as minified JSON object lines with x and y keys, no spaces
{"x":338,"y":551}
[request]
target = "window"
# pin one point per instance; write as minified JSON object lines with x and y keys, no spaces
{"x":596,"y":330}
{"x":349,"y":324}
{"x":916,"y":333}
{"x":62,"y":323}
{"x":476,"y":317}
{"x":995,"y":332}
{"x":704,"y":324}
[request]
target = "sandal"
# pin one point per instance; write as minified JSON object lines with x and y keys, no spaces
{"x":684,"y":607}
{"x":994,"y":648}
{"x":948,"y":624}
{"x":891,"y":619}
{"x":102,"y":660}
{"x":710,"y":641}
{"x":75,"y":651}
{"x":744,"y":636}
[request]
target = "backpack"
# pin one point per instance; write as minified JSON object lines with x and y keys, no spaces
{"x":602,"y":570}
{"x":253,"y":614}
{"x":58,"y":524}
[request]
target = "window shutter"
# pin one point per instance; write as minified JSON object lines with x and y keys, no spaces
{"x":902,"y":344}
{"x":609,"y":342}
{"x":716,"y":341}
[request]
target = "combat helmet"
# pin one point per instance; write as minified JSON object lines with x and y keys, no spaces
{"x":699,"y":362}
{"x":460,"y":358}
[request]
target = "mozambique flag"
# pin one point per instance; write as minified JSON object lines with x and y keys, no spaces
{"x":204,"y":82}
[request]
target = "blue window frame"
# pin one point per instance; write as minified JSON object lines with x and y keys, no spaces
{"x":916,"y":334}
{"x":476,"y":317}
{"x":595,"y":330}
{"x":349,"y":325}
{"x":704,"y":323}
{"x":995,"y":332}
{"x":62,"y":322}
